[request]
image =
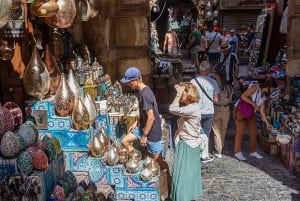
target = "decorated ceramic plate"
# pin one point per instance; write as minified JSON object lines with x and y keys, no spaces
{"x":16,"y":112}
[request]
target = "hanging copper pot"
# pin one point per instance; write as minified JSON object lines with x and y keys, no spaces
{"x":36,"y":79}
{"x":5,"y":8}
{"x":64,"y":17}
{"x":80,"y":116}
{"x":44,"y":8}
{"x":64,"y":99}
{"x":53,"y":69}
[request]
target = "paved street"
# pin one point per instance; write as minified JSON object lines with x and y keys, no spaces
{"x":228,"y":179}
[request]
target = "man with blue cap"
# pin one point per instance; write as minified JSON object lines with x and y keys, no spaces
{"x":148,"y":128}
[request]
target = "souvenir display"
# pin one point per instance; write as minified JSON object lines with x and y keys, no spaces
{"x":96,"y":148}
{"x":40,"y":160}
{"x":91,"y":108}
{"x":73,"y":84}
{"x":112,"y":156}
{"x":24,"y":162}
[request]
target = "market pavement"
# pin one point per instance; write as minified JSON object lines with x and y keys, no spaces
{"x":228,"y":179}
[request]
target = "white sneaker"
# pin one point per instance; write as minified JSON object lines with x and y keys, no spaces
{"x":217,"y":155}
{"x":256,"y":155}
{"x":240,"y":156}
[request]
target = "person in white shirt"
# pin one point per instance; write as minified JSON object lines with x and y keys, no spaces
{"x":214,"y":40}
{"x":186,"y":177}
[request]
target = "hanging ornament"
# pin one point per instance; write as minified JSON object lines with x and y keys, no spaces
{"x":208,"y":5}
{"x":53,"y":69}
{"x":36,"y":77}
{"x":215,"y":13}
{"x":64,"y":17}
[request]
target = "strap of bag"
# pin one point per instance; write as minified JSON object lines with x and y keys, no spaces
{"x":211,"y":42}
{"x":224,"y":59}
{"x":203,"y":90}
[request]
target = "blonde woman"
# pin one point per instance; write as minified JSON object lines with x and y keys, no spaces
{"x":186,"y":177}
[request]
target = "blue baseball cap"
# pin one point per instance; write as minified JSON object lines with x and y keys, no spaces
{"x":131,"y":74}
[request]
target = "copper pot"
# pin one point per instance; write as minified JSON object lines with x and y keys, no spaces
{"x":44,"y":8}
{"x":64,"y":17}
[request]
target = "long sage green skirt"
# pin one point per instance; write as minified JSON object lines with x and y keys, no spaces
{"x":186,"y":177}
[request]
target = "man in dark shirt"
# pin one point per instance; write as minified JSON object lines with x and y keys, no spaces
{"x":194,"y":43}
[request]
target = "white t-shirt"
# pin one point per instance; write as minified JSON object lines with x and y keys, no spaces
{"x":214,"y":47}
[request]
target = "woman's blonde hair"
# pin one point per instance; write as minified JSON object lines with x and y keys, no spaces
{"x":192,"y":92}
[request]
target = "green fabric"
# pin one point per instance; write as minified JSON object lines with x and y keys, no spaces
{"x":186,"y":177}
{"x":197,"y":34}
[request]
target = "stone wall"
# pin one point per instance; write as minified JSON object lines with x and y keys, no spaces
{"x":119,"y":36}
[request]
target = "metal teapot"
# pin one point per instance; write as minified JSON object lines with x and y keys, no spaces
{"x":132,"y":166}
{"x":146,"y":174}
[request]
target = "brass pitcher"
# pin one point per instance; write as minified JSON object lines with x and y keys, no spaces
{"x":53,"y":69}
{"x":80,"y":116}
{"x":64,"y":99}
{"x":36,"y":79}
{"x":64,"y":17}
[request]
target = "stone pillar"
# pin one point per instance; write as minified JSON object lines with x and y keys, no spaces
{"x":293,"y":53}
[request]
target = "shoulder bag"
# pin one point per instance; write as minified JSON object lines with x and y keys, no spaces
{"x":245,"y":108}
{"x":204,"y":91}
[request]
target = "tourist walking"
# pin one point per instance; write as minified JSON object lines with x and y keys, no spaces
{"x":186,"y":177}
{"x":214,"y":39}
{"x":222,"y":114}
{"x":209,"y":92}
{"x":233,"y":41}
{"x":253,"y":99}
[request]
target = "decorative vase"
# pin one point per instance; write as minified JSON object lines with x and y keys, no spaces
{"x":96,"y":148}
{"x":80,"y":116}
{"x":64,"y":99}
{"x":44,"y":8}
{"x":53,"y":69}
{"x":36,"y":79}
{"x":64,"y":17}
{"x":74,"y":84}
{"x":112,"y":156}
{"x":104,"y":139}
{"x":91,"y":108}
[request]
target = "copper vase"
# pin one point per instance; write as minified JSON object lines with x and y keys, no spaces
{"x":104,"y":139}
{"x":53,"y":69}
{"x":80,"y":116}
{"x":73,"y":83}
{"x":91,"y":108}
{"x":36,"y":79}
{"x":96,"y":148}
{"x":64,"y":17}
{"x":64,"y":99}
